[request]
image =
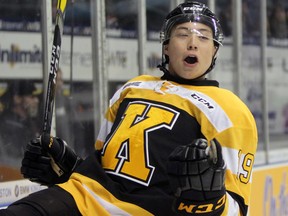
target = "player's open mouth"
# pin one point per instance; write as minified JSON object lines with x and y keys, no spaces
{"x":191,"y":59}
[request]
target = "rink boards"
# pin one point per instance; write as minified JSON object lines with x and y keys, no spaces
{"x":269,"y":190}
{"x":11,"y":191}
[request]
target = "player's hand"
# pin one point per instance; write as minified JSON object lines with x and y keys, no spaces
{"x":48,"y":160}
{"x":197,"y":176}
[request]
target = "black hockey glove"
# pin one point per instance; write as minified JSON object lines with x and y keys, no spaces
{"x":48,"y":160}
{"x":197,"y":175}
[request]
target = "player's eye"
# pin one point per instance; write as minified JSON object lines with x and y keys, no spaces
{"x":182,"y":34}
{"x":202,"y":37}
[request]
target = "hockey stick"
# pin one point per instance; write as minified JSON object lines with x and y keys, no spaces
{"x":54,"y":64}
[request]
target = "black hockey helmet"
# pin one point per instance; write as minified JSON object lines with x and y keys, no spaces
{"x":190,"y":11}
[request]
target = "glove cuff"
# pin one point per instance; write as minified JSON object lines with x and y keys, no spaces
{"x":205,"y":208}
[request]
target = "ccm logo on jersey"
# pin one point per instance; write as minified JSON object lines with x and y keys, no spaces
{"x":202,"y":100}
{"x":203,"y":208}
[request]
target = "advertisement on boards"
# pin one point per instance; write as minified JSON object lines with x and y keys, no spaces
{"x":23,"y":59}
{"x":270,"y":191}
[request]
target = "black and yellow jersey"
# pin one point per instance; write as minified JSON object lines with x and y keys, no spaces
{"x":147,"y":119}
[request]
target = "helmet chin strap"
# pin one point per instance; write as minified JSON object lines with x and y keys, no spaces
{"x":165,"y":61}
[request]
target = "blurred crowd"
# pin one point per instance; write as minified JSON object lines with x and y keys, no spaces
{"x":277,"y":20}
{"x":122,"y":14}
{"x":21,"y":118}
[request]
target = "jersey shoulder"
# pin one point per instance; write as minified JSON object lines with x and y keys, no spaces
{"x":145,"y":78}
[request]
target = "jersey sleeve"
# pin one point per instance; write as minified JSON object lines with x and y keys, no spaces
{"x":238,"y":139}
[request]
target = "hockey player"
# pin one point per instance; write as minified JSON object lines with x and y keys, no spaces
{"x":171,"y":145}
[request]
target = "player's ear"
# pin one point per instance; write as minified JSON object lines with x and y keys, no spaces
{"x":215,"y":50}
{"x":166,"y":49}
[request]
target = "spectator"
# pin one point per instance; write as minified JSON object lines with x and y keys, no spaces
{"x":19,"y":119}
{"x":278,"y":22}
{"x":250,"y":20}
{"x":225,"y":16}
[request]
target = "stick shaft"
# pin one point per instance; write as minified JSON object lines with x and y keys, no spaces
{"x":54,"y":64}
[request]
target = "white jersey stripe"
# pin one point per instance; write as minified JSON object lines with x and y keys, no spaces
{"x":234,"y":161}
{"x":110,"y":208}
{"x":233,"y":209}
{"x":214,"y":113}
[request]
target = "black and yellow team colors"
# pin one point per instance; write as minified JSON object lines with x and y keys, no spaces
{"x":176,"y":144}
{"x":135,"y":180}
